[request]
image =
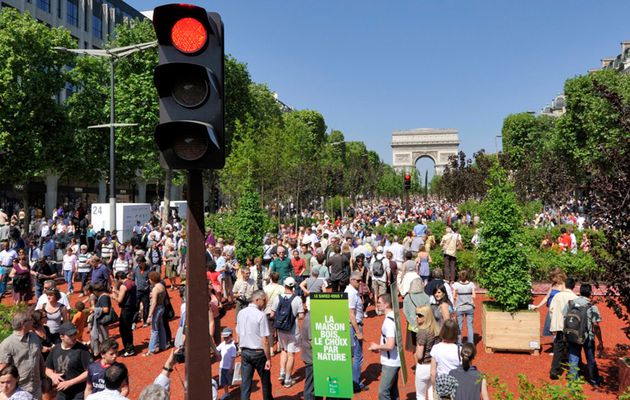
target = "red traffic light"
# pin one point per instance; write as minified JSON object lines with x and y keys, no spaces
{"x":188,"y":35}
{"x":407,"y":177}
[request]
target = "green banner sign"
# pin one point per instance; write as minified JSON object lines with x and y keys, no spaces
{"x":332,"y":348}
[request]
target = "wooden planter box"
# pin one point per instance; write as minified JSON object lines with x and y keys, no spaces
{"x":511,"y":332}
{"x":624,"y":375}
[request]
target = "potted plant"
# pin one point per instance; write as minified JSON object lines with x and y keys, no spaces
{"x":507,"y":324}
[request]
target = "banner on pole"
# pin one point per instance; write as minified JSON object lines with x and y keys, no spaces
{"x":332,"y":349}
{"x":399,"y":339}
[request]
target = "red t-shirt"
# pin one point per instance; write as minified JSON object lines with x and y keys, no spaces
{"x":298,"y":265}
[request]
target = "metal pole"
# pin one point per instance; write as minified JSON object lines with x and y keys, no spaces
{"x":198,"y":368}
{"x":112,"y":162}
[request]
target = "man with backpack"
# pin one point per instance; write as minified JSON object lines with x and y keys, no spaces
{"x":286,"y":309}
{"x":581,"y":327}
{"x":390,"y":362}
{"x":380,"y":274}
{"x":558,"y":309}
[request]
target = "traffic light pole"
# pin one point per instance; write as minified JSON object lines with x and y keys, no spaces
{"x":198,"y":367}
{"x":112,"y":159}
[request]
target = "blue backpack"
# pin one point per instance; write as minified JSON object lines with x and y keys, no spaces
{"x":284,"y":314}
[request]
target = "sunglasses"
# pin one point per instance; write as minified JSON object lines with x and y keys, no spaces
{"x":419,"y":315}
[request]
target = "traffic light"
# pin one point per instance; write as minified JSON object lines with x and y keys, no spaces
{"x":189,"y":82}
{"x":407,"y":181}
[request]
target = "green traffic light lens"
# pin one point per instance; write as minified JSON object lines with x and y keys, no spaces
{"x":191,"y":146}
{"x":190,"y":91}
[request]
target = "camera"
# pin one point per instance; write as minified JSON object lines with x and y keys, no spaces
{"x":180,"y":356}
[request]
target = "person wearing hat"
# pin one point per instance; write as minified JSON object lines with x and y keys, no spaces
{"x":287,"y":305}
{"x":67,"y":364}
{"x":227,"y":349}
{"x":355,"y":304}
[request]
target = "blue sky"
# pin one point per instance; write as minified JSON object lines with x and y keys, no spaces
{"x":373,"y":67}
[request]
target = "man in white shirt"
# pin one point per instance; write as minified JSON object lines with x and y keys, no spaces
{"x":43,"y":299}
{"x":288,"y":339}
{"x":379,"y":281}
{"x":390,"y":362}
{"x":355,"y":303}
{"x":557,"y":310}
{"x":6,"y":259}
{"x":398,"y":252}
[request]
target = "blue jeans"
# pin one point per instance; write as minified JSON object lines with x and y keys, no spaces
{"x":4,"y":278}
{"x":67,"y":276}
{"x":357,"y":357}
{"x":158,"y":334}
{"x":575,"y":351}
{"x":469,"y":323}
{"x":388,"y":388}
{"x":254,"y":361}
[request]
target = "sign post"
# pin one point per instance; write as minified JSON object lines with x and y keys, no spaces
{"x":399,"y":339}
{"x":332,"y":349}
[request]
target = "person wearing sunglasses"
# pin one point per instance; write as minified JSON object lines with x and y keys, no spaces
{"x":427,"y":336}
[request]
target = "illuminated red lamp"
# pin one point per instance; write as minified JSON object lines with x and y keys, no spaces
{"x":188,"y":35}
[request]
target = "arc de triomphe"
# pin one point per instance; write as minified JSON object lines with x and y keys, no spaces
{"x":437,"y":144}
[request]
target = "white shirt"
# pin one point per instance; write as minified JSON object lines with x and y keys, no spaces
{"x":70,"y":262}
{"x":355,"y":303}
{"x":398,"y":252}
{"x":389,"y":358}
{"x":446,"y":356}
{"x":387,"y":270}
{"x":296,"y":307}
{"x":228,"y":353}
{"x":251,"y":326}
{"x":107,"y":394}
{"x":43,"y":299}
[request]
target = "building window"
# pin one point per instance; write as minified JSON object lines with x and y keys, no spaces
{"x":86,"y":16}
{"x":44,"y":5}
{"x":97,"y":19}
{"x":73,"y":12}
{"x":59,"y":15}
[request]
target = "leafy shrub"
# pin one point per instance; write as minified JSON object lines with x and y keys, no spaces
{"x":531,"y":208}
{"x":502,"y":263}
{"x":249,"y":224}
{"x":567,"y":390}
{"x":580,"y":266}
{"x":6,"y":319}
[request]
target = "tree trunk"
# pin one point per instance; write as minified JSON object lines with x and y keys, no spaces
{"x":166,"y":210}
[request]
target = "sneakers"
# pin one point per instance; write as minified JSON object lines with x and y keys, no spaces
{"x":129,"y":353}
{"x":133,"y":326}
{"x":281,"y":377}
{"x":289,"y":382}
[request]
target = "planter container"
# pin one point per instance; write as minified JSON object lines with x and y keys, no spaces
{"x":502,"y":330}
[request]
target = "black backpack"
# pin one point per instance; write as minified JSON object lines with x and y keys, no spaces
{"x":284,"y":319}
{"x":377,"y":268}
{"x":576,"y":323}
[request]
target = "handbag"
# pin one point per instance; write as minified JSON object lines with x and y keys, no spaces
{"x":110,"y":318}
{"x":169,"y":311}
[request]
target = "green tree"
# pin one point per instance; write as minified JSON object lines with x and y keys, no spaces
{"x":250,"y":225}
{"x":34,"y":134}
{"x":501,"y":260}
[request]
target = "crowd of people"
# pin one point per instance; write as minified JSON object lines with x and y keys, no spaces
{"x":62,"y":346}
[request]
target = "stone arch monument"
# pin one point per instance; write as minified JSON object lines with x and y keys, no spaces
{"x":437,"y":144}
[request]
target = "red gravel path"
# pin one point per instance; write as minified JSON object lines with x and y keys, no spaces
{"x":504,"y":365}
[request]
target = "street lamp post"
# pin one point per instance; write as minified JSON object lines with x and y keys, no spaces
{"x":114,"y":55}
{"x":496,"y":146}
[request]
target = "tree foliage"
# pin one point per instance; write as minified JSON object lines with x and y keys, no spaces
{"x":502,"y":262}
{"x":34,"y":134}
{"x":249,"y":224}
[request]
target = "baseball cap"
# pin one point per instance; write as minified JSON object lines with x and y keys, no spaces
{"x":226,"y":332}
{"x":379,"y":249}
{"x":67,"y":329}
{"x":289,"y":282}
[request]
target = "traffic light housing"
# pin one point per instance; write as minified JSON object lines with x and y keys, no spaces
{"x":407,"y":182}
{"x":189,"y":81}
